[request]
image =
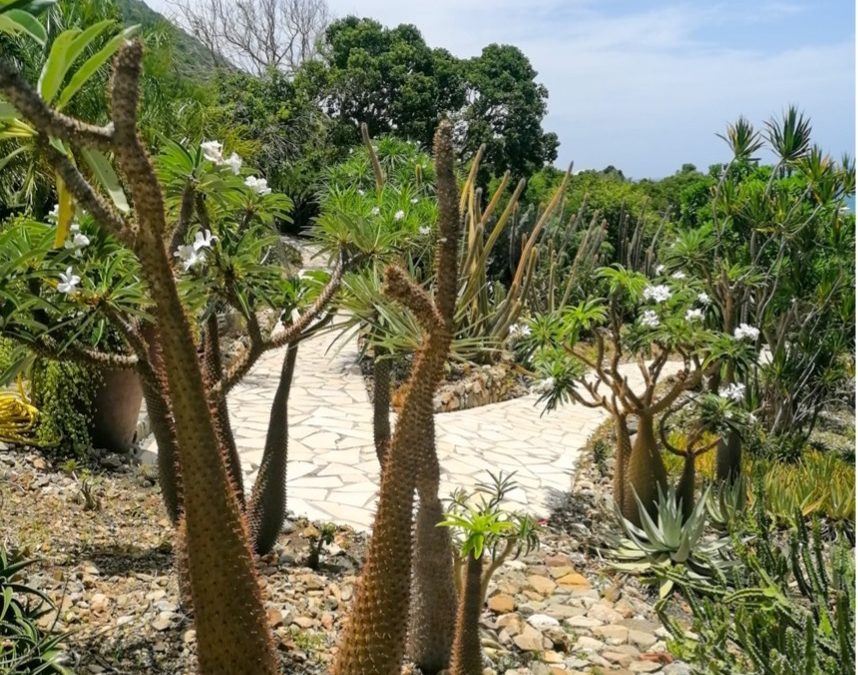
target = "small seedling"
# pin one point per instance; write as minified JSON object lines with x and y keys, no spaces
{"x":318,"y":539}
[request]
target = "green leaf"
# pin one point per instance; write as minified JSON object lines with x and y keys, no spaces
{"x":92,"y":64}
{"x":18,"y":21}
{"x":8,"y":158}
{"x":7,"y":110}
{"x":67,"y":54}
{"x":31,"y":6}
{"x":103,"y":170}
{"x":55,"y":66}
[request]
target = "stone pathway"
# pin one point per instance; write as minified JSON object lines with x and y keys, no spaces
{"x":333,"y":471}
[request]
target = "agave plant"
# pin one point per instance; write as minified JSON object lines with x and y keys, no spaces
{"x":24,"y":646}
{"x":669,"y":541}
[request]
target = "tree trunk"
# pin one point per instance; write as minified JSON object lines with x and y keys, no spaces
{"x":267,"y":507}
{"x":685,"y":489}
{"x":381,"y":406}
{"x":645,"y":472}
{"x":467,"y":652}
{"x":728,"y":460}
{"x":621,"y":461}
{"x":214,"y":372}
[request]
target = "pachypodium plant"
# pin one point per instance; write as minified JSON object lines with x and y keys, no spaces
{"x":214,"y":535}
{"x":590,"y":352}
{"x":374,"y":639}
{"x":486,"y":535}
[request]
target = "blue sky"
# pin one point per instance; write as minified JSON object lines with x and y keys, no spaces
{"x":645,"y":85}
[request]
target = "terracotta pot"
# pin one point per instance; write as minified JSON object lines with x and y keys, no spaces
{"x":116,"y":409}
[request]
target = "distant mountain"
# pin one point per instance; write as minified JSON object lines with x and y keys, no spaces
{"x":190,"y":56}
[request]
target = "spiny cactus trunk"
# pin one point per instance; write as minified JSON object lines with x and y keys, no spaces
{"x":231,"y":626}
{"x":645,"y":472}
{"x":381,"y":407}
{"x":373,"y":642}
{"x":267,"y":507}
{"x":433,"y":599}
{"x":467,"y":652}
{"x":214,"y":372}
{"x":161,"y":422}
{"x":624,"y":450}
{"x":728,"y":458}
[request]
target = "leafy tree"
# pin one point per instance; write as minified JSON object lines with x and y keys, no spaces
{"x":504,"y":111}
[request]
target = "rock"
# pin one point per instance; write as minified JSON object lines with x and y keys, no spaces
{"x":529,"y":640}
{"x":122,"y":620}
{"x":604,"y":613}
{"x":540,"y":584}
{"x":564,"y":611}
{"x":677,"y":668}
{"x":588,"y":644}
{"x":501,"y":603}
{"x":111,"y":461}
{"x":642,"y":639}
{"x":312,"y":582}
{"x":99,"y":603}
{"x":552,"y":657}
{"x":542,"y":621}
{"x":304,"y":621}
{"x":619,"y":658}
{"x":625,"y":608}
{"x":582,"y":622}
{"x":644,"y":666}
{"x":573,"y":579}
{"x":275,"y":617}
{"x":557,"y":560}
{"x":164,"y":621}
{"x":612,"y":634}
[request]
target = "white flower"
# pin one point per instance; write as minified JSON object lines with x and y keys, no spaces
{"x":375,"y":211}
{"x":694,"y":315}
{"x":188,"y":255}
{"x":518,"y":331}
{"x":258,"y":185}
{"x":733,"y":392}
{"x":746,"y":332}
{"x":233,"y":162}
{"x":212,"y":151}
{"x":703,"y":299}
{"x":657,"y":293}
{"x":55,"y":212}
{"x":361,"y":192}
{"x":678,"y":275}
{"x":425,"y":230}
{"x":78,"y":242}
{"x":414,"y":200}
{"x":650,"y":319}
{"x":659,"y":269}
{"x":68,"y":282}
{"x":399,"y":215}
{"x":203,"y":240}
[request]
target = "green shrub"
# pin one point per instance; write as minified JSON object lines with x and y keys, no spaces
{"x":63,"y":392}
{"x":24,"y":646}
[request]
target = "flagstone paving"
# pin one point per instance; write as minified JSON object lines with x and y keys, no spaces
{"x":333,"y":471}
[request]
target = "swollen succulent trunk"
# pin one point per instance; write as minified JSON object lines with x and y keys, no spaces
{"x":381,"y":407}
{"x":467,"y":652}
{"x":433,"y":601}
{"x":267,"y":507}
{"x":621,"y":462}
{"x":373,"y":642}
{"x":728,"y":460}
{"x":645,"y":472}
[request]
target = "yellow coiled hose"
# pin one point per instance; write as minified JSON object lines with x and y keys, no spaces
{"x":18,"y":417}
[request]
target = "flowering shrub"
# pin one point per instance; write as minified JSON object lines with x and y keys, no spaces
{"x":648,"y":322}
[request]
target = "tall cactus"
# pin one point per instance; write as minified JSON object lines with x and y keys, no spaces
{"x":232,"y":631}
{"x":373,"y":642}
